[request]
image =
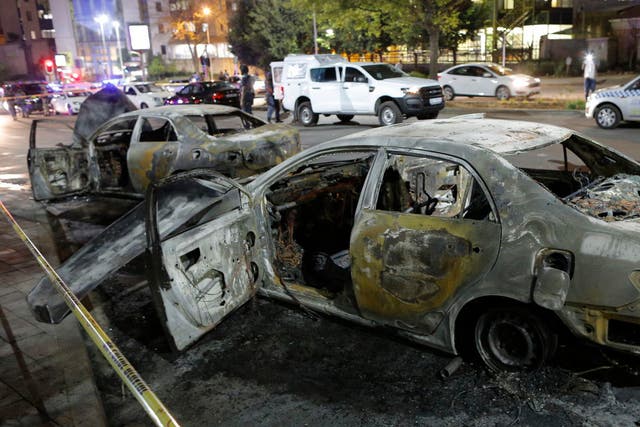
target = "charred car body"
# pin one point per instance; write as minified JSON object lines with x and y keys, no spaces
{"x":125,"y":154}
{"x":462,"y":232}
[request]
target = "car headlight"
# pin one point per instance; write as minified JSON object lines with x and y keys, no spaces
{"x":414,"y":90}
{"x":520,"y":83}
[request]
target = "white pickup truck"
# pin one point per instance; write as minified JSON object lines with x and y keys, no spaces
{"x":145,"y":94}
{"x":310,"y":85}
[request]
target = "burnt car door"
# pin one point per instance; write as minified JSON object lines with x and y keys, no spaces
{"x":208,"y":266}
{"x":426,"y":238}
{"x":56,"y":171}
{"x":153,"y":152}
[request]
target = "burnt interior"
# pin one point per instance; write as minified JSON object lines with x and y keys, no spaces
{"x":312,"y":214}
{"x":111,"y":156}
{"x":597,"y":181}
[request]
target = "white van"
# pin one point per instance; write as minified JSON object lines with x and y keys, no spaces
{"x":310,"y":85}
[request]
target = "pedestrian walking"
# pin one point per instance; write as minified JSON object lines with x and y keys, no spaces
{"x":246,"y":89}
{"x":589,"y":67}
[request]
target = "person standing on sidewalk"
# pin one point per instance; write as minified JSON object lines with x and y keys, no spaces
{"x":273,"y":104}
{"x":246,"y":89}
{"x":589,"y":67}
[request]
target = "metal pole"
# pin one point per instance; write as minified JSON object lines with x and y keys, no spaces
{"x":104,"y":46}
{"x":207,"y":50}
{"x":116,"y":25}
{"x":315,"y":32}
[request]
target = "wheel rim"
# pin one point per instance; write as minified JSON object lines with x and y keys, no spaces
{"x":388,"y":116}
{"x":509,"y":341}
{"x":306,"y":115}
{"x":606,"y":117}
{"x":448,"y":94}
{"x":503,"y":93}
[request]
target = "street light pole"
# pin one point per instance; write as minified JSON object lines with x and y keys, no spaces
{"x":206,"y":11}
{"x":116,"y":25}
{"x":101,"y":19}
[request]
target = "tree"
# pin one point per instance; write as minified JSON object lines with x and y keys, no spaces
{"x":267,"y":30}
{"x":187,"y":19}
{"x":472,"y":17}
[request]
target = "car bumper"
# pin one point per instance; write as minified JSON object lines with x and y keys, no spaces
{"x":526,"y":91}
{"x":413,"y":105}
{"x":613,"y":329}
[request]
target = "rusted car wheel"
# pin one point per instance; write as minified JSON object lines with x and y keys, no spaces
{"x":513,"y":339}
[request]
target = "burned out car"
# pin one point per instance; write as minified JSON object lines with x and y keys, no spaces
{"x":469,"y":233}
{"x":125,"y":154}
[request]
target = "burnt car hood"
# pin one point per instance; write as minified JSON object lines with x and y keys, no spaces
{"x":97,"y":109}
{"x":105,"y":254}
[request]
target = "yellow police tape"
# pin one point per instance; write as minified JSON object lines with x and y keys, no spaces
{"x":140,"y":390}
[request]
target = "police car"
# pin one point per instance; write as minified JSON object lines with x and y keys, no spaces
{"x":611,"y":105}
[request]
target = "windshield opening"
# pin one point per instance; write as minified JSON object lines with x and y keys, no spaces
{"x":500,"y":70}
{"x":384,"y":71}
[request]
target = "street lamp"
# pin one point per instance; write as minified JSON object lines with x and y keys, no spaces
{"x":116,"y":26}
{"x":102,"y":19}
{"x":206,"y":12}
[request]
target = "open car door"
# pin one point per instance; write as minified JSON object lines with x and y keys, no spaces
{"x":57,"y":171}
{"x":207,"y":267}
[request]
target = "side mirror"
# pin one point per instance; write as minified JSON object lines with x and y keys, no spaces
{"x":487,"y":74}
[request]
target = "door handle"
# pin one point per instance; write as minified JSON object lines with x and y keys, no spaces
{"x":196,"y":154}
{"x":315,"y":88}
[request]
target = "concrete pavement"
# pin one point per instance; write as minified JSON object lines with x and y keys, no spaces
{"x":45,"y":374}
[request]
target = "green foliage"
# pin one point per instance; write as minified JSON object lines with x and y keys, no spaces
{"x":268,"y":30}
{"x":576,"y":105}
{"x":157,"y":68}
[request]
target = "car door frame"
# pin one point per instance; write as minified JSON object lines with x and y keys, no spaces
{"x":374,"y":301}
{"x":631,"y":101}
{"x":243,"y":259}
{"x":354,"y":97}
{"x":43,"y":186}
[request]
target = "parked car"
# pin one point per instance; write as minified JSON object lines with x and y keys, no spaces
{"x":462,"y":234}
{"x":30,"y":96}
{"x":133,"y":149}
{"x":259,"y":86}
{"x":486,"y":79}
{"x":68,"y":102}
{"x":612,"y":105}
{"x":145,"y":94}
{"x":310,"y":85}
{"x":214,"y":92}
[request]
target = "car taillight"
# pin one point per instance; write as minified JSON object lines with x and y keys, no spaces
{"x":217,"y":96}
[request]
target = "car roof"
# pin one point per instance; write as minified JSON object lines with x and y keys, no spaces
{"x":182,"y":110}
{"x":500,"y":136}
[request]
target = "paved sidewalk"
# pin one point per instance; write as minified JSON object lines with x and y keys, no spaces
{"x":45,"y":373}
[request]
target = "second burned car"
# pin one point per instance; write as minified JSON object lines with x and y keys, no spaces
{"x":133,"y":149}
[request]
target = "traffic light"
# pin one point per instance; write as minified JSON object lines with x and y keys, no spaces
{"x":48,"y":66}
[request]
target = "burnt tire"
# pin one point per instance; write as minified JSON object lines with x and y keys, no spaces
{"x":607,"y":116}
{"x":306,"y":116}
{"x":448,"y":93}
{"x":389,"y":114}
{"x":503,"y":93}
{"x":513,"y":338}
{"x":345,"y":117}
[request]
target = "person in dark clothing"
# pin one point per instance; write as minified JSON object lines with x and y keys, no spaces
{"x":273,"y":104}
{"x":246,"y":90}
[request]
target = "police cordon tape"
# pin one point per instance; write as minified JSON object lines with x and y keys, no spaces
{"x":130,"y":377}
